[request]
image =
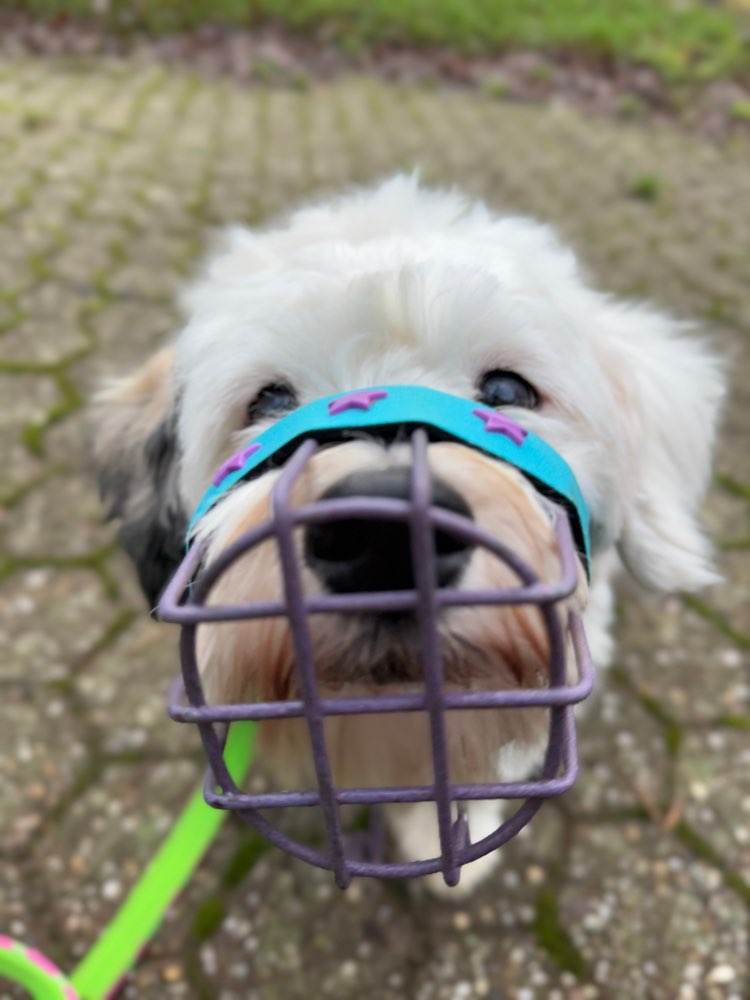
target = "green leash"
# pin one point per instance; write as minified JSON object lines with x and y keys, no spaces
{"x":100,"y":973}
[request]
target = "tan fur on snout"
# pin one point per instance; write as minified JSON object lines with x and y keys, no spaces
{"x":483,"y":647}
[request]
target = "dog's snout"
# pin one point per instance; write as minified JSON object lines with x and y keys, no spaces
{"x":355,"y":555}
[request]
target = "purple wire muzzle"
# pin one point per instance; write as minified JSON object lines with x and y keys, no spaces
{"x":185,"y":601}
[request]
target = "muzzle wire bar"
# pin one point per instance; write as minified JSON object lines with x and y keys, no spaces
{"x":186,"y":602}
{"x":425,"y":573}
{"x":295,"y":602}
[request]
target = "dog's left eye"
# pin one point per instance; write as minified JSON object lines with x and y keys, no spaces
{"x":271,"y":401}
{"x":504,"y":388}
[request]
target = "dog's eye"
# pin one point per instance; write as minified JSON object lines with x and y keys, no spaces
{"x":272,"y":401}
{"x":504,"y":388}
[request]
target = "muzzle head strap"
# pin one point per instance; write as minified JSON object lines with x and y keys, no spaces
{"x":404,"y":408}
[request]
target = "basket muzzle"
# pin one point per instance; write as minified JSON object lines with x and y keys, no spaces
{"x":421,"y":416}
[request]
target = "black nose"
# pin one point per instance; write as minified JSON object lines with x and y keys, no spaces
{"x":351,"y":555}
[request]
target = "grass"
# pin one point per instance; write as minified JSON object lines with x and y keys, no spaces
{"x":689,"y":41}
{"x":646,"y":187}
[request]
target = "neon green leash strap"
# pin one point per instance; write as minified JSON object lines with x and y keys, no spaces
{"x":135,"y":923}
{"x":27,"y":967}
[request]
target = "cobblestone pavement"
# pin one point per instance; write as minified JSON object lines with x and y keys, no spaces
{"x":638,"y":883}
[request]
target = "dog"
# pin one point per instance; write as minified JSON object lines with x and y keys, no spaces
{"x":404,"y":284}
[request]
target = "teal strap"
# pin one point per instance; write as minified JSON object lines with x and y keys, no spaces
{"x":135,"y":923}
{"x":454,"y":417}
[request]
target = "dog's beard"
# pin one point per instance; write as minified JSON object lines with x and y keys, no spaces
{"x":389,"y":652}
{"x":481,"y":647}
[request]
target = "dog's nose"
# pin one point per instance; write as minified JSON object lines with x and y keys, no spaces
{"x":354,"y":555}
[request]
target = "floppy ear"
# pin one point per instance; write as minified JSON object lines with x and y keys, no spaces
{"x":138,"y":460}
{"x":669,"y":388}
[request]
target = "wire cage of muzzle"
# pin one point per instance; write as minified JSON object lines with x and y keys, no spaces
{"x":185,"y":603}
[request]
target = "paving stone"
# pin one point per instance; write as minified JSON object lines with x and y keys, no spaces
{"x":62,"y":521}
{"x":70,"y":441}
{"x":714,"y":788}
{"x":649,"y":918}
{"x":26,"y":401}
{"x":113,"y":175}
{"x":17,"y":913}
{"x":48,"y":302}
{"x":145,"y":280}
{"x":41,"y":756}
{"x":42,"y":342}
{"x":285,"y":924}
{"x":49,"y":621}
{"x":621,"y":754}
{"x":127,"y":333}
{"x":684,"y":667}
{"x":726,"y":517}
{"x":102,"y":843}
{"x":732,"y":598}
{"x":88,"y":253}
{"x":125,"y":690}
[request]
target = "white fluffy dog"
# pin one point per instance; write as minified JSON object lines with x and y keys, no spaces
{"x":399,"y":284}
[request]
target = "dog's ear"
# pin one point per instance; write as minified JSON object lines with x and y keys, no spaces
{"x":669,"y":387}
{"x":138,"y":461}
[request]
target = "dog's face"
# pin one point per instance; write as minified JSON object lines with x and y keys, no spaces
{"x":399,"y":285}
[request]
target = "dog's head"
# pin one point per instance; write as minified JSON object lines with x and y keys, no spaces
{"x":402,"y":285}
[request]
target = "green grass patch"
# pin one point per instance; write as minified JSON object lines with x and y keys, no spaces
{"x":740,"y":111}
{"x":685,"y":41}
{"x":645,"y":187}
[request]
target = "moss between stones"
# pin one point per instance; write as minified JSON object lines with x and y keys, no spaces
{"x":674,"y":731}
{"x":70,"y":401}
{"x":702,"y":849}
{"x":552,"y":936}
{"x":735,"y":545}
{"x":119,"y":624}
{"x":244,"y":858}
{"x":647,"y":187}
{"x":716,"y":619}
{"x":731,"y":485}
{"x":94,"y":560}
{"x":211,"y":912}
{"x":741,"y":722}
{"x":208,"y":917}
{"x":15,"y":495}
{"x":16,"y":317}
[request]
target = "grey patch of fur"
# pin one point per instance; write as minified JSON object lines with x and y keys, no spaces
{"x":141,"y":489}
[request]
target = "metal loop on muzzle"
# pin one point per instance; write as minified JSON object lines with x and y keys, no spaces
{"x":185,"y":602}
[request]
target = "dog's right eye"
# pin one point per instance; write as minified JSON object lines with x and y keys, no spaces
{"x":500,"y":387}
{"x":273,"y":400}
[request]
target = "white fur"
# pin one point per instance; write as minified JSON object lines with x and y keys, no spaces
{"x":401,"y":284}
